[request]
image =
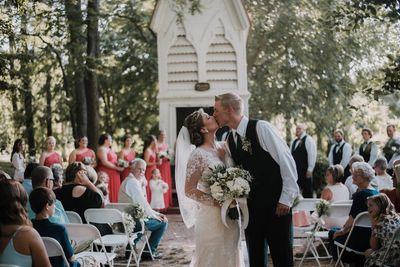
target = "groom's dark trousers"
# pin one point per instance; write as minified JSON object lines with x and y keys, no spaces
{"x":265,"y":191}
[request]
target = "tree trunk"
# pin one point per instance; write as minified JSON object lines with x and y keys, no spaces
{"x":48,"y":115}
{"x":27,"y":93}
{"x":76,"y":65}
{"x":92,"y":91}
{"x":288,"y":127}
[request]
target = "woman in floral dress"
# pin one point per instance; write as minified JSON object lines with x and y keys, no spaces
{"x":385,"y":221}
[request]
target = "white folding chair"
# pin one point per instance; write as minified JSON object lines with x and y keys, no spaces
{"x":142,"y":244}
{"x":349,"y":201}
{"x":73,"y":217}
{"x":54,"y":249}
{"x":361,"y":220}
{"x":86,"y":232}
{"x":299,"y":232}
{"x":111,"y":216}
{"x":8,"y":265}
{"x":396,"y":237}
{"x":338,"y":214}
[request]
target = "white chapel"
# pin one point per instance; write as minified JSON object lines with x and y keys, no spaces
{"x":203,"y":56}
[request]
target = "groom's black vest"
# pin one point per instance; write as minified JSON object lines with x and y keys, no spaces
{"x":266,"y":186}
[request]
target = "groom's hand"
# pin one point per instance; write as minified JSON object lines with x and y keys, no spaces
{"x":282,"y":209}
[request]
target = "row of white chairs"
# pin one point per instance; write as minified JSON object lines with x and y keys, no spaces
{"x":316,"y":233}
{"x":112,"y":214}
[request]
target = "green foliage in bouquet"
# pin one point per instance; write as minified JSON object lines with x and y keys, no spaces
{"x":136,"y":211}
{"x":322,"y":208}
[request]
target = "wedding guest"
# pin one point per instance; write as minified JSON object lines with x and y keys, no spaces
{"x":158,"y":189}
{"x":131,"y":192}
{"x":362,"y":174}
{"x":42,"y":176}
{"x":42,"y":201}
{"x":368,"y":150}
{"x":58,"y":174}
{"x":385,"y":221}
{"x":165,"y":167}
{"x":382,"y":178}
{"x":107,"y":162}
{"x":150,"y":152}
{"x":78,"y":193}
{"x":349,"y":181}
{"x":50,"y":156}
{"x":127,"y":154}
{"x":18,"y":159}
{"x":82,"y":153}
{"x":335,"y":189}
{"x":20,"y":244}
{"x":27,"y":184}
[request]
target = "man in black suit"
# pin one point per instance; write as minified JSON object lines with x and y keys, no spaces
{"x":258,"y":148}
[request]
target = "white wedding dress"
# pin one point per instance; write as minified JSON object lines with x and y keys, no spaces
{"x":216,"y":245}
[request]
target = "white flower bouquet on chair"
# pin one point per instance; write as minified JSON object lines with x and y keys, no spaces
{"x":230,"y":187}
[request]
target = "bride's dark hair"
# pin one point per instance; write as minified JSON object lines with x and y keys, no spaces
{"x":193,"y":123}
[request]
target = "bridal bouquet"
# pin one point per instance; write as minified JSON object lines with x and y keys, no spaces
{"x":227,"y":185}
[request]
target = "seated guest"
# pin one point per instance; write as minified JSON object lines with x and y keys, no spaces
{"x":20,"y":244}
{"x":131,"y":192}
{"x":362,"y":174}
{"x":349,"y":181}
{"x":78,"y":193}
{"x":382,"y":178}
{"x":58,"y":174}
{"x":385,"y":221}
{"x":42,"y":202}
{"x":42,"y":176}
{"x":27,"y":183}
{"x":335,"y":189}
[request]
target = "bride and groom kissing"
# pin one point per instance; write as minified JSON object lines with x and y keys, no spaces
{"x":256,"y":146}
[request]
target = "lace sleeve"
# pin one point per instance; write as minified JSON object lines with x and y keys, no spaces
{"x":195,"y":168}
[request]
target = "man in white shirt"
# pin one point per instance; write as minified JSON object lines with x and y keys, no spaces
{"x":131,"y":192}
{"x":304,"y":152}
{"x":340,"y":152}
{"x":258,"y":148}
{"x":368,"y":150}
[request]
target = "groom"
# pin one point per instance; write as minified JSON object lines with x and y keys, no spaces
{"x":257,"y":147}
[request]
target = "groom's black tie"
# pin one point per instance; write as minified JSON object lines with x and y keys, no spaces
{"x":238,"y":141}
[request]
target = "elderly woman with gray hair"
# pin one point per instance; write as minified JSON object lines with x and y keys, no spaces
{"x":362,"y":174}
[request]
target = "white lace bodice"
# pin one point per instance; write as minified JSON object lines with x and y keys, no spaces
{"x":199,"y":161}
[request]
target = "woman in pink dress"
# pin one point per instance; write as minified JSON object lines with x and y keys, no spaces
{"x":127,"y":154}
{"x":107,"y":162}
{"x":165,"y":167}
{"x":50,"y":156}
{"x":150,"y":152}
{"x":82,"y":153}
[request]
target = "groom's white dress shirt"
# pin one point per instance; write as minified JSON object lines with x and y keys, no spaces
{"x":271,"y":142}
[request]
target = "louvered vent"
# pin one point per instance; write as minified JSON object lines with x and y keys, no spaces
{"x":182,"y":63}
{"x":221,"y":62}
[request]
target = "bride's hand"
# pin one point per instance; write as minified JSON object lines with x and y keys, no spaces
{"x":221,"y":153}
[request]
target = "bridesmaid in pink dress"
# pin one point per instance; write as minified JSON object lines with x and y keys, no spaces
{"x":127,"y":154}
{"x":150,"y":153}
{"x":107,"y":162}
{"x":82,"y":153}
{"x":165,"y":167}
{"x":50,"y":156}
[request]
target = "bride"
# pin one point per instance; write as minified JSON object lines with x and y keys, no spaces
{"x":196,"y":151}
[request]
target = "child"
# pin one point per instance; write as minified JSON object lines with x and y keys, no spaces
{"x":385,"y":221}
{"x":102,"y":184}
{"x":158,"y":187}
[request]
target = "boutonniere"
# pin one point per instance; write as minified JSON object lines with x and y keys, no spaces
{"x":246,"y":144}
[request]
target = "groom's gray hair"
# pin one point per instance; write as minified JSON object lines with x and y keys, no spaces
{"x":231,"y":100}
